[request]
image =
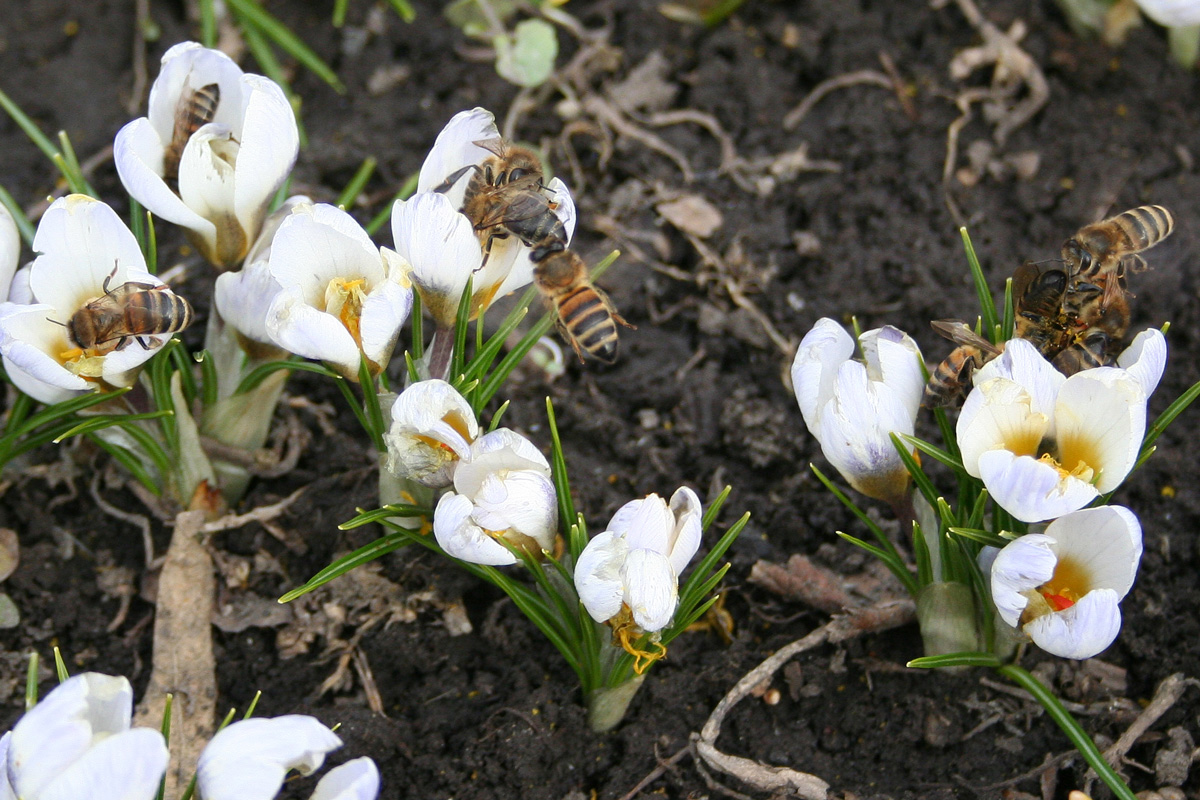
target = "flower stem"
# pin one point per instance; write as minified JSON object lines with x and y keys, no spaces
{"x":607,"y":704}
{"x":440,"y":351}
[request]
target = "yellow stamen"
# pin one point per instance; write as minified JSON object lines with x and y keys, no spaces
{"x":626,"y":634}
{"x":344,"y":299}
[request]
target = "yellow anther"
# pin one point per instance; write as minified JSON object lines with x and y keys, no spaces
{"x":626,"y":636}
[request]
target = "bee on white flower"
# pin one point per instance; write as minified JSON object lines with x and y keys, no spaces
{"x":215,"y":147}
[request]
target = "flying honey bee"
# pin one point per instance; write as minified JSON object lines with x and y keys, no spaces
{"x":506,"y":196}
{"x":1065,"y":322}
{"x":128,"y":312}
{"x":1102,"y":252}
{"x":194,"y":110}
{"x":586,"y":316}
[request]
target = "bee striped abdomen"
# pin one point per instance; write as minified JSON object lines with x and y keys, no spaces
{"x":587,"y":319}
{"x":194,"y":111}
{"x":1145,"y":226}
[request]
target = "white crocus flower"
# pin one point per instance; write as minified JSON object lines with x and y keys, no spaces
{"x":442,"y":245}
{"x":10,"y":250}
{"x":354,"y":780}
{"x":1062,"y":587}
{"x":249,"y":759}
{"x":628,"y":576}
{"x":432,"y":429}
{"x":852,"y":407}
{"x":503,"y":498}
{"x":1045,"y":445}
{"x":230,"y":168}
{"x":342,"y":296}
{"x":82,"y":245}
{"x":76,"y":743}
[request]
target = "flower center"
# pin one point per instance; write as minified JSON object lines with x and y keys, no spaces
{"x":1081,"y":470}
{"x":344,"y":299}
{"x":1078,"y":454}
{"x":1066,"y":586}
{"x":86,"y":364}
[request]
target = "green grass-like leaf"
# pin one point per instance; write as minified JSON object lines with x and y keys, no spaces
{"x":1074,"y":731}
{"x":955,"y":660}
{"x":60,"y":666}
{"x":261,"y":373}
{"x":379,"y":514}
{"x":208,"y":24}
{"x":380,"y":547}
{"x":254,"y":16}
{"x":357,"y":183}
{"x":890,"y":560}
{"x":64,"y":409}
{"x":576,"y":534}
{"x":933,"y":451}
{"x":24,"y":226}
{"x":31,"y":681}
{"x":979,"y":535}
{"x":982,"y":292}
{"x":373,"y":414}
{"x":920,"y":479}
{"x":875,"y":530}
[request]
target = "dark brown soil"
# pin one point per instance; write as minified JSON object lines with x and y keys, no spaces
{"x":696,"y":397}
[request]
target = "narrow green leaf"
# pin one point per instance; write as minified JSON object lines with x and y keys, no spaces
{"x":1168,"y":416}
{"x":497,"y":416}
{"x":380,"y":547}
{"x":60,"y":666}
{"x":208,"y":24}
{"x":339,"y":12}
{"x":875,"y":530}
{"x":709,"y":562}
{"x":357,"y":183}
{"x":137,"y":223}
{"x":72,"y":171}
{"x":132,"y":464}
{"x":956,"y":660}
{"x":714,"y":508}
{"x":29,"y":127}
{"x":374,"y":414}
{"x":576,"y":540}
{"x":31,"y":681}
{"x":920,"y":479}
{"x":261,"y":373}
{"x":979,"y":535}
{"x":1009,"y":322}
{"x":922,"y":556}
{"x":209,"y":381}
{"x":934,"y":452}
{"x":378,"y":514}
{"x":20,"y":409}
{"x":151,"y":245}
{"x":1074,"y":731}
{"x":458,"y":357}
{"x":404,"y":9}
{"x":253,"y":705}
{"x":406,"y":191}
{"x":512,"y":358}
{"x":889,"y":559}
{"x":984,"y":294}
{"x":184,"y":369}
{"x":99,"y":423}
{"x":252,"y":15}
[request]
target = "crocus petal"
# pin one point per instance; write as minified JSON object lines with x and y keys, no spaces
{"x":81,"y":242}
{"x":121,"y":366}
{"x":10,"y":250}
{"x":455,"y":148}
{"x":598,"y":575}
{"x":1101,"y":417}
{"x":522,"y":501}
{"x":318,"y":243}
{"x":1104,"y":544}
{"x":127,"y":766}
{"x":384,"y":311}
{"x":20,"y":292}
{"x":206,"y":185}
{"x":650,"y":589}
{"x":854,"y":433}
{"x":299,"y":328}
{"x":1082,"y":631}
{"x":441,"y":246}
{"x":28,"y":337}
{"x":650,"y":528}
{"x":244,"y":299}
{"x":1020,"y":566}
{"x":689,"y":513}
{"x":999,"y":414}
{"x":60,"y":729}
{"x":1172,"y":13}
{"x":1032,"y":490}
{"x":1023,"y":364}
{"x":7,"y":792}
{"x":354,"y":780}
{"x":496,"y":451}
{"x":249,"y":759}
{"x":894,"y":358}
{"x":138,"y":154}
{"x":461,"y":538}
{"x":1145,"y":359}
{"x":814,"y":370}
{"x":270,"y":141}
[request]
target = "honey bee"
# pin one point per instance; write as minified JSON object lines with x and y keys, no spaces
{"x":586,"y":316}
{"x":194,"y":110}
{"x":1102,"y":252}
{"x":130,"y":311}
{"x":506,"y":196}
{"x":1065,"y":321}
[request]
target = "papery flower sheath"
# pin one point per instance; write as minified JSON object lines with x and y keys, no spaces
{"x":628,"y":576}
{"x":84,"y":251}
{"x":1062,"y":587}
{"x":852,"y":407}
{"x":432,"y":429}
{"x":442,"y":245}
{"x":342,"y":296}
{"x":77,"y":743}
{"x":219,"y":184}
{"x":1045,"y":445}
{"x":503,"y":498}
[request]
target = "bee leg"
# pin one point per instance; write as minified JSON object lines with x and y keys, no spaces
{"x":144,"y":342}
{"x":452,"y":179}
{"x":487,"y":248}
{"x":617,"y":318}
{"x":122,"y":343}
{"x":111,"y":275}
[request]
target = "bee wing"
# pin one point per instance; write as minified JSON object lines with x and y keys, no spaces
{"x":526,"y":205}
{"x":495,"y":146}
{"x":960,"y":332}
{"x":1023,"y":276}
